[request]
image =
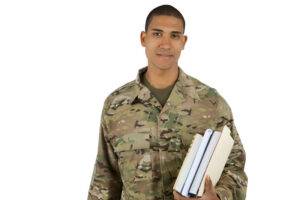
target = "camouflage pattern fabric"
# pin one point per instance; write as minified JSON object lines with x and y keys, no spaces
{"x":142,"y":145}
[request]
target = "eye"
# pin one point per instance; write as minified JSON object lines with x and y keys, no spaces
{"x":175,"y":36}
{"x":157,"y":34}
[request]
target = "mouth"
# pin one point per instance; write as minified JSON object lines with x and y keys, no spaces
{"x":165,"y":55}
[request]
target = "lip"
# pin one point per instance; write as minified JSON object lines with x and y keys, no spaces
{"x":164,"y":55}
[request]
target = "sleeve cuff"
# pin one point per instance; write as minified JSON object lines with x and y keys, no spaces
{"x":222,"y":193}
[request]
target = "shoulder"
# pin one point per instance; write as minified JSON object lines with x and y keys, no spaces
{"x":212,"y":95}
{"x":202,"y":89}
{"x":122,"y":95}
{"x":205,"y":91}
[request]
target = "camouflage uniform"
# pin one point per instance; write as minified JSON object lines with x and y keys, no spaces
{"x":142,"y":145}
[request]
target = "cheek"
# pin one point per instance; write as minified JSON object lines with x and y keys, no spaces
{"x":149,"y":53}
{"x":178,"y":49}
{"x":150,"y":50}
{"x":177,"y":52}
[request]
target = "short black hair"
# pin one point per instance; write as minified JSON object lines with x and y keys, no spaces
{"x":167,"y":10}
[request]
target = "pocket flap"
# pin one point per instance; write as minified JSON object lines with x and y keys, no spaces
{"x":131,"y":141}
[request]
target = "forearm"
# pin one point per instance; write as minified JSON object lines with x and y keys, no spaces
{"x":106,"y":183}
{"x":233,"y":182}
{"x":228,"y":188}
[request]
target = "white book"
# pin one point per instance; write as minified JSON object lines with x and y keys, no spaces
{"x":204,"y":163}
{"x":218,"y":159}
{"x":187,"y":163}
{"x":196,"y":162}
{"x":215,"y":166}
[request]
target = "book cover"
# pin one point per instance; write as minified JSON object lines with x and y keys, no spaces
{"x":218,"y":159}
{"x":187,"y":163}
{"x":200,"y":152}
{"x":204,"y":163}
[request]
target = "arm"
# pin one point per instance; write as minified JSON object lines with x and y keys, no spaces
{"x":106,"y":182}
{"x":233,"y":181}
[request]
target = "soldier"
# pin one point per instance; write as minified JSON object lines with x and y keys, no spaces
{"x":148,"y":124}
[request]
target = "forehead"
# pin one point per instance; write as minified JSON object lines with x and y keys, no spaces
{"x":166,"y":23}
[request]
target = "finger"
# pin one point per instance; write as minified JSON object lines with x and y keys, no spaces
{"x":208,"y":185}
{"x":176,"y":196}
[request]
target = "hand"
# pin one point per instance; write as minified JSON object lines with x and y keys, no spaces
{"x":178,"y":196}
{"x":209,"y":193}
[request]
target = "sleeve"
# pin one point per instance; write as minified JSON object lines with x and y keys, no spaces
{"x":233,"y":181}
{"x":106,"y":182}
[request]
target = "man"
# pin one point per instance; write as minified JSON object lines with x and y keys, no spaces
{"x":148,"y":124}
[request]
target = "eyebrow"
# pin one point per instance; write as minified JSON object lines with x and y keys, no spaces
{"x":159,"y":30}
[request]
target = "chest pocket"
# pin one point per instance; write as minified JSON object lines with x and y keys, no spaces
{"x":134,"y":159}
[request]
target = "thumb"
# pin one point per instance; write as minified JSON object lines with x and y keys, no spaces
{"x":208,"y":185}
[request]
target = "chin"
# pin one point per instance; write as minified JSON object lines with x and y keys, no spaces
{"x":165,"y":66}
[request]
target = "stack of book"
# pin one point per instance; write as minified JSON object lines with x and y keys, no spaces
{"x":207,"y":155}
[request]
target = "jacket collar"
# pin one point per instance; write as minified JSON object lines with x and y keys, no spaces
{"x":184,"y":86}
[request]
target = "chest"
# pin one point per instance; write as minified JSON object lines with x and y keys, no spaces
{"x":170,"y":128}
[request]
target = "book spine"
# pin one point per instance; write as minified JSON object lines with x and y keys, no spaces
{"x":219,"y":158}
{"x":196,"y":162}
{"x":204,"y":163}
{"x":187,"y":163}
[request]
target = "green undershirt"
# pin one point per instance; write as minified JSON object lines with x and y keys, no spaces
{"x":161,"y":95}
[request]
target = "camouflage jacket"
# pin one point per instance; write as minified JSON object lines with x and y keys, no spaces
{"x":142,"y":145}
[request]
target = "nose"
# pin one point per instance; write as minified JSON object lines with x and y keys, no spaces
{"x":165,"y":42}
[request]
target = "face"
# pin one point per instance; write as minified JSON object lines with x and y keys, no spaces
{"x":163,"y":41}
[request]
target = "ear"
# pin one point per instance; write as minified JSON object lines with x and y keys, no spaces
{"x":142,"y":38}
{"x":184,"y":41}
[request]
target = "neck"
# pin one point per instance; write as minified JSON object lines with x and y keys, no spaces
{"x":159,"y":78}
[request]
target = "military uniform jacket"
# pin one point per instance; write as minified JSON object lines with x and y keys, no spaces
{"x":142,"y":145}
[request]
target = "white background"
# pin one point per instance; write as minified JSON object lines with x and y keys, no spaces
{"x":59,"y":59}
